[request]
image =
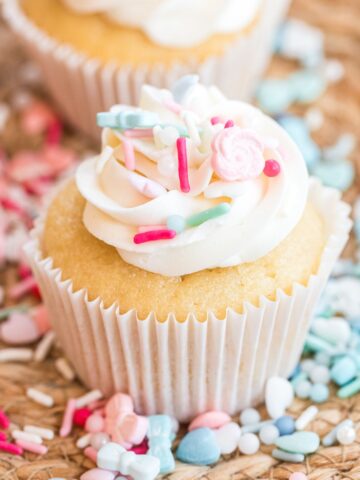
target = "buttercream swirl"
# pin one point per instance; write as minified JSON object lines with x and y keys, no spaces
{"x":175,"y":23}
{"x":134,"y":184}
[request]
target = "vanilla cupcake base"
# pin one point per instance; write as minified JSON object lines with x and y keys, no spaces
{"x":83,"y":86}
{"x":186,"y":368}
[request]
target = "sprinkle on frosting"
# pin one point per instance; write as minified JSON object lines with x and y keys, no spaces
{"x":190,"y":180}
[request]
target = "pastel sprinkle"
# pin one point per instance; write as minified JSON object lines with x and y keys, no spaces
{"x":4,"y":420}
{"x":129,"y":154}
{"x":139,"y":133}
{"x":32,"y":447}
{"x":204,"y":216}
{"x":40,"y":397}
{"x":153,"y":235}
{"x":16,"y":355}
{"x":88,"y":398}
{"x":27,"y":437}
{"x":127,"y":119}
{"x":213,"y":419}
{"x":256,"y":427}
{"x":189,"y":119}
{"x":229,"y":124}
{"x":299,"y":442}
{"x":350,"y":389}
{"x":272,"y":168}
{"x":181,"y":86}
{"x":183,"y":165}
{"x":68,"y":417}
{"x":298,"y":476}
{"x":330,"y":438}
{"x":10,"y":448}
{"x":287,"y":457}
{"x":148,"y":188}
{"x":306,"y":417}
{"x":173,"y":106}
{"x":215,"y":120}
{"x":175,"y":222}
{"x":46,"y":433}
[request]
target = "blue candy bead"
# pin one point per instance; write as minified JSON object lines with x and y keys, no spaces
{"x":285,"y":425}
{"x":182,"y":85}
{"x":274,"y":96}
{"x":199,"y":447}
{"x":176,"y":222}
{"x":343,"y":371}
{"x":338,"y":175}
{"x":319,"y":393}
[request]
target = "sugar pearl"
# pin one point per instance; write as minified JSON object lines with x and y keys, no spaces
{"x":176,"y":222}
{"x":285,"y":425}
{"x":320,"y":374}
{"x":95,"y":423}
{"x":99,"y":439}
{"x":307,"y":365}
{"x":319,"y":393}
{"x":268,"y":434}
{"x":302,"y":389}
{"x":249,"y":444}
{"x":346,"y":435}
{"x":272,"y":168}
{"x":249,"y":416}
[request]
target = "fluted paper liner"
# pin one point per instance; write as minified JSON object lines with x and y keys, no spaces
{"x":82,"y":86}
{"x":185,"y":368}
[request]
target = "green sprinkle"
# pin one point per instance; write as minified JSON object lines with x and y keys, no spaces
{"x":199,"y":218}
{"x":287,"y":457}
{"x":5,"y":312}
{"x":350,"y":389}
{"x":316,"y":344}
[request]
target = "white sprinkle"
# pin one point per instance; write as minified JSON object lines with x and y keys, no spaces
{"x":42,"y":432}
{"x":44,"y":346}
{"x":40,"y":397}
{"x":314,"y":118}
{"x":190,"y":122}
{"x":88,"y":398}
{"x":63,"y":366}
{"x":330,"y":438}
{"x":84,"y":441}
{"x":306,"y":417}
{"x":334,"y":70}
{"x":16,"y":355}
{"x":27,"y":437}
{"x":103,"y":158}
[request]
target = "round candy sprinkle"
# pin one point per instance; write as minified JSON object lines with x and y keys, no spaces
{"x":95,"y":423}
{"x":81,"y":415}
{"x":249,"y":444}
{"x":99,"y":439}
{"x":319,"y":393}
{"x":228,"y":437}
{"x":320,"y":374}
{"x":298,"y":476}
{"x":346,"y":435}
{"x":285,"y":425}
{"x":307,"y":365}
{"x":268,"y":434}
{"x":302,"y":389}
{"x":176,"y":223}
{"x":272,"y":168}
{"x":249,"y":416}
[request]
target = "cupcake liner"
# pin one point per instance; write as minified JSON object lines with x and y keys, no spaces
{"x":82,"y":86}
{"x":186,"y":368}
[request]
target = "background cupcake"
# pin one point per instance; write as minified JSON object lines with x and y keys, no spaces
{"x":96,"y":54}
{"x":184,"y":263}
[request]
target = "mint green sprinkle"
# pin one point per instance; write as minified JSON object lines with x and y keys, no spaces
{"x":199,"y":218}
{"x":316,"y":344}
{"x":5,"y":312}
{"x":300,"y":377}
{"x":350,"y":389}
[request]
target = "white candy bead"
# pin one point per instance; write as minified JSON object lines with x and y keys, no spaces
{"x":320,"y":374}
{"x":88,"y":398}
{"x":228,"y":437}
{"x":249,"y":444}
{"x":302,"y":389}
{"x":268,"y":434}
{"x":279,"y":394}
{"x":314,"y":118}
{"x":307,"y":365}
{"x":306,"y":417}
{"x":249,"y":416}
{"x":346,"y":435}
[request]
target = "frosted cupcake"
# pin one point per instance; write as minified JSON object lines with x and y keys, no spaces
{"x":98,"y":53}
{"x":183,"y":263}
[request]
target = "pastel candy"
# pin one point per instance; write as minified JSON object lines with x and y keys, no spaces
{"x":108,"y":457}
{"x":279,"y":394}
{"x":160,"y":435}
{"x":125,"y":119}
{"x":299,"y":442}
{"x":338,"y":175}
{"x":19,"y":329}
{"x":334,"y":330}
{"x":307,"y":85}
{"x":133,"y":428}
{"x":213,"y":419}
{"x":228,"y":437}
{"x":41,"y":318}
{"x":118,"y":403}
{"x":182,"y":85}
{"x":199,"y":447}
{"x":274,"y":96}
{"x":343,"y":371}
{"x":146,"y":467}
{"x":98,"y":474}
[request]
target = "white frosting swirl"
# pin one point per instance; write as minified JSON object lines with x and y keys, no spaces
{"x":263,"y":210}
{"x":175,"y":23}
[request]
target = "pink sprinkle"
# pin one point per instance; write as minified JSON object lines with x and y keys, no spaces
{"x":173,"y":106}
{"x":153,"y":235}
{"x":2,"y":437}
{"x":32,"y":447}
{"x":24,"y":271}
{"x":54,"y":132}
{"x":139,"y":133}
{"x":21,"y":288}
{"x":4,"y":420}
{"x":272,"y":168}
{"x":91,"y":453}
{"x":183,"y":164}
{"x":141,"y":449}
{"x":229,"y":124}
{"x":10,"y":448}
{"x":129,"y":154}
{"x":37,"y":186}
{"x":96,"y":405}
{"x":215,"y":120}
{"x":10,"y":204}
{"x":67,"y":422}
{"x":146,"y":228}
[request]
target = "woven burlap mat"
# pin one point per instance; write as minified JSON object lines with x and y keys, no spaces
{"x":339,"y":19}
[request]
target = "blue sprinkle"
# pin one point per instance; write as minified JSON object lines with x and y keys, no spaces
{"x":285,"y":425}
{"x":343,"y":371}
{"x":337,"y":175}
{"x":274,"y":96}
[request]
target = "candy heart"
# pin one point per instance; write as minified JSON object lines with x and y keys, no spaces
{"x":228,"y":437}
{"x":19,"y":329}
{"x":98,"y":474}
{"x":109,"y":456}
{"x":118,"y":403}
{"x":279,"y":395}
{"x":145,"y":467}
{"x":211,"y":420}
{"x":133,"y":428}
{"x":299,"y":442}
{"x":199,"y":447}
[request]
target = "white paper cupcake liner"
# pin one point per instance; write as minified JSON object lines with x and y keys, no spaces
{"x":185,"y":368}
{"x":82,"y":86}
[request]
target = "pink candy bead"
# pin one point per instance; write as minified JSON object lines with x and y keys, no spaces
{"x":10,"y":448}
{"x":98,"y":474}
{"x":298,"y":476}
{"x":4,"y":421}
{"x":91,"y":453}
{"x":272,"y":168}
{"x":95,"y":423}
{"x":81,"y":415}
{"x":211,"y":420}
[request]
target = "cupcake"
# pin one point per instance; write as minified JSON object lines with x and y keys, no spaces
{"x":98,"y":53}
{"x":182,"y":264}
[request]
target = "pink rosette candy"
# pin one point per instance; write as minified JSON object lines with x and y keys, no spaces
{"x":237,"y":154}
